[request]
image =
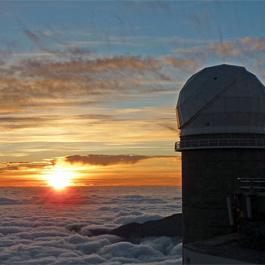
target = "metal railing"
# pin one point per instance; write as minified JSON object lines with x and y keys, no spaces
{"x":208,"y":143}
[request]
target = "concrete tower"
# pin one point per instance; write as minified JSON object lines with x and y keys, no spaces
{"x":221,"y":115}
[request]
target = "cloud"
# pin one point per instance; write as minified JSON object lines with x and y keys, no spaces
{"x":254,"y":44}
{"x":247,"y":48}
{"x":40,"y":38}
{"x":57,"y":69}
{"x":169,"y":126}
{"x":12,"y":166}
{"x":137,"y":219}
{"x":225,"y":49}
{"x":7,"y":201}
{"x":106,"y":160}
{"x":129,"y":250}
{"x":75,"y":79}
{"x":46,"y":83}
{"x":33,"y":37}
{"x":238,"y":47}
{"x":23,"y":173}
{"x":38,"y":231}
{"x":17,"y":122}
{"x":69,"y":99}
{"x":109,"y":160}
{"x":184,"y":64}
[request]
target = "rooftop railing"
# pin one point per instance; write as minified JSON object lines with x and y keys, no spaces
{"x":213,"y":143}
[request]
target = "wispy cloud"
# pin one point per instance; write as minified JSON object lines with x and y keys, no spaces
{"x":40,"y":40}
{"x":69,"y":68}
{"x":30,"y":82}
{"x":254,"y":44}
{"x":237,"y":48}
{"x":228,"y":49}
{"x":21,"y":166}
{"x":182,"y":64}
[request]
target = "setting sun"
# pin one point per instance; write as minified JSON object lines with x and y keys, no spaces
{"x":60,"y":177}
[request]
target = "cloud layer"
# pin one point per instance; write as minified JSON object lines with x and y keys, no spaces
{"x":36,"y":226}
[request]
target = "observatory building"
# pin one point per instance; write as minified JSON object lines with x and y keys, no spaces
{"x":221,"y":117}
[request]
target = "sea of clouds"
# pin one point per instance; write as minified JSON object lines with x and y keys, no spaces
{"x":36,"y":226}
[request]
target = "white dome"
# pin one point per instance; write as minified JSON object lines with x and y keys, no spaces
{"x":222,"y":99}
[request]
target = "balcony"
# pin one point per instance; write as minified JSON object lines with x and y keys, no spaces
{"x":216,"y":143}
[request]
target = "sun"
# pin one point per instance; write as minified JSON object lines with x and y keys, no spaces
{"x":60,"y":177}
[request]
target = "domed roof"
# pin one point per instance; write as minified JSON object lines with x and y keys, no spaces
{"x":222,"y":99}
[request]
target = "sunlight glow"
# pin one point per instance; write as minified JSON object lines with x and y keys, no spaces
{"x":60,"y":177}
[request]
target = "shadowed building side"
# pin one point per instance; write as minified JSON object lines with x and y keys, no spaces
{"x":221,"y":115}
{"x":208,"y":179}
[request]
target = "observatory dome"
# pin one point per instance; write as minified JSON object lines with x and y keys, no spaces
{"x":222,"y":99}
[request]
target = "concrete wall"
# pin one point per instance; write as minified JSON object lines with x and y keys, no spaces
{"x":208,"y":177}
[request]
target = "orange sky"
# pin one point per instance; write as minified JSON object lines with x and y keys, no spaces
{"x":101,"y":170}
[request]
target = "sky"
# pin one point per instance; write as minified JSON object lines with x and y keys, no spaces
{"x":91,"y":86}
